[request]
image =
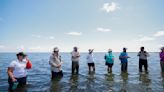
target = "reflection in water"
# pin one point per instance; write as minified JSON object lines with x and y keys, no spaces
{"x":162,"y":75}
{"x":124,"y":86}
{"x":145,"y":82}
{"x":56,"y":85}
{"x":74,"y":82}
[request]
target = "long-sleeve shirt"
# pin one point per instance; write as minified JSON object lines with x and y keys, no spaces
{"x":54,"y":62}
{"x":109,"y":58}
{"x":143,"y":55}
{"x":123,"y":57}
{"x":162,"y":56}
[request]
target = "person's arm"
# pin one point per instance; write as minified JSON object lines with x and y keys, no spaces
{"x":139,"y":54}
{"x":10,"y":73}
{"x":52,"y":63}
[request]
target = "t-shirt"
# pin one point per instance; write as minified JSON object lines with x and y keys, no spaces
{"x":123,"y":60}
{"x":162,"y":56}
{"x":75,"y":56}
{"x":143,"y":55}
{"x":90,"y":58}
{"x":54,"y":61}
{"x":109,"y":58}
{"x":19,"y":68}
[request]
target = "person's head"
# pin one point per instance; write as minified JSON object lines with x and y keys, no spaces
{"x":75,"y":48}
{"x":109,"y":50}
{"x":21,"y":56}
{"x":56,"y":50}
{"x":162,"y":49}
{"x":90,"y":51}
{"x":142,"y":48}
{"x":124,"y":49}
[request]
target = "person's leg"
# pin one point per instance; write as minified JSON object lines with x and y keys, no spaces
{"x":162,"y":66}
{"x":126,"y":66}
{"x":94,"y":67}
{"x":10,"y":84}
{"x":89,"y":67}
{"x":77,"y":68}
{"x":21,"y":81}
{"x":121,"y":67}
{"x":146,"y":66}
{"x":73,"y":67}
{"x":140,"y":65}
{"x":60,"y":74}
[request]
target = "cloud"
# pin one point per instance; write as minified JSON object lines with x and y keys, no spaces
{"x":51,"y":37}
{"x":100,"y":29}
{"x":159,"y":33}
{"x":110,"y":7}
{"x":36,"y":36}
{"x":146,"y":38}
{"x":75,"y":33}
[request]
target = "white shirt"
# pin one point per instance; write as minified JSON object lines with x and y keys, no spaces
{"x":75,"y":56}
{"x":54,"y":61}
{"x":19,"y":68}
{"x":143,"y":55}
{"x":90,"y":58}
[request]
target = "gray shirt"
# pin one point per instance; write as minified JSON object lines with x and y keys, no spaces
{"x":143,"y":55}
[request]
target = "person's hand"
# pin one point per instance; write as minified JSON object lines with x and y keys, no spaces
{"x":59,"y":66}
{"x":14,"y":80}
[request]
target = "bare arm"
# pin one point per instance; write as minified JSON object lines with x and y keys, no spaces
{"x":10,"y":73}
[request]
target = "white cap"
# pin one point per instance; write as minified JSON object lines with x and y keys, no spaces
{"x":109,"y":50}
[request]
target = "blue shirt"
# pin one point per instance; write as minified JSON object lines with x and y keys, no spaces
{"x":123,"y":60}
{"x":109,"y":58}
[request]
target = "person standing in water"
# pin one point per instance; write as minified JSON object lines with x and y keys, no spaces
{"x":17,"y":71}
{"x":56,"y":64}
{"x":90,"y":60}
{"x":124,"y":60}
{"x":161,"y":54}
{"x":109,"y":58}
{"x":75,"y":60}
{"x":143,"y":59}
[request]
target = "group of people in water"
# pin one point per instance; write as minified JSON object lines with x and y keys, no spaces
{"x":17,"y":69}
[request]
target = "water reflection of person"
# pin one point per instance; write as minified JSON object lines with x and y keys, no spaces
{"x":109,"y":77}
{"x":144,"y":78}
{"x":124,"y":76}
{"x":55,"y":86}
{"x":74,"y":82}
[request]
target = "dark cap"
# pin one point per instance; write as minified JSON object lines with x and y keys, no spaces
{"x":21,"y":54}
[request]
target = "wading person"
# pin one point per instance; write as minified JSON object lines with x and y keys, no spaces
{"x":56,"y":64}
{"x":162,"y":59}
{"x":75,"y":60}
{"x":90,"y":60}
{"x":109,"y":58}
{"x":124,"y":60}
{"x":17,"y":71}
{"x":143,"y":59}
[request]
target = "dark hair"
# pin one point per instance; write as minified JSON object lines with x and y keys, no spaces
{"x":21,"y":54}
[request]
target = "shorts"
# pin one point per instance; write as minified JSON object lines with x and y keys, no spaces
{"x":109,"y":64}
{"x":91,"y":64}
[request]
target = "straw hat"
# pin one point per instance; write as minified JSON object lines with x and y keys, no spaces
{"x":56,"y":49}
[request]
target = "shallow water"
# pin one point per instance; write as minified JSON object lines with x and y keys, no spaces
{"x":100,"y":81}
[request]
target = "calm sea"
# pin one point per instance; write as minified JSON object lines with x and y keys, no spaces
{"x":100,"y":81}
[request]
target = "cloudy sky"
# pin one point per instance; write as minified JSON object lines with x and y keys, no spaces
{"x":40,"y":25}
